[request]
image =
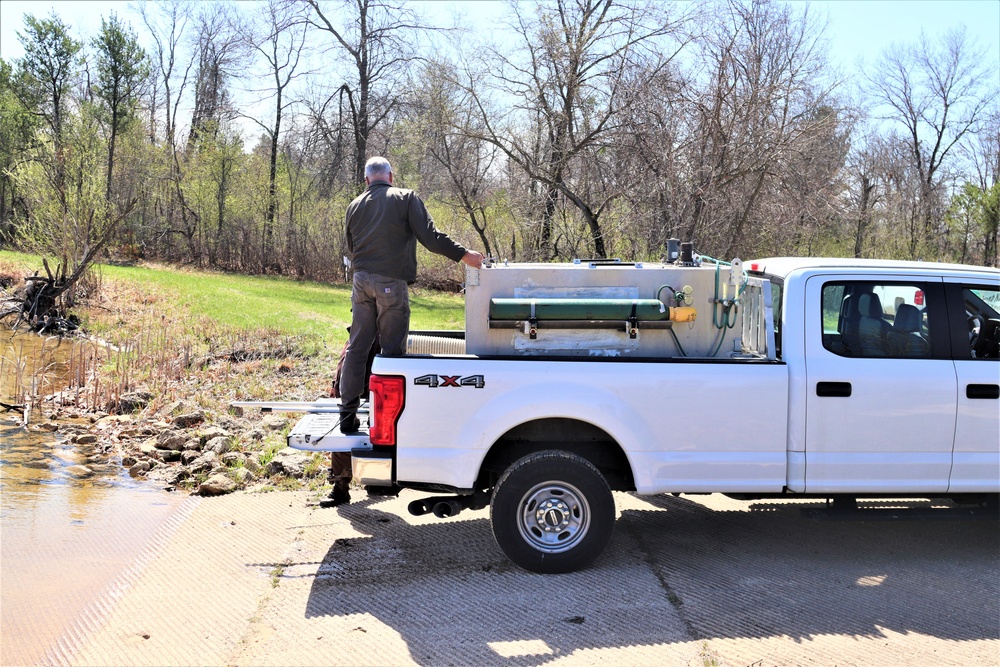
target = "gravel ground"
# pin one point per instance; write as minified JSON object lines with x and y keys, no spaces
{"x":271,"y":579}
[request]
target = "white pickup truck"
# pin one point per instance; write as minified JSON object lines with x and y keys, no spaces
{"x":782,"y":377}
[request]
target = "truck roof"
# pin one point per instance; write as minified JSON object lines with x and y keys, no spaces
{"x":783,"y":266}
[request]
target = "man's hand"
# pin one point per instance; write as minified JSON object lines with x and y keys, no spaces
{"x":473,"y":259}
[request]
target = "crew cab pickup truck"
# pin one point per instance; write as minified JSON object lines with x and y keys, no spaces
{"x":771,"y":378}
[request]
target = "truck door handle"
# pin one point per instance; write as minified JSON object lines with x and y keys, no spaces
{"x":838,"y":389}
{"x":982,"y":391}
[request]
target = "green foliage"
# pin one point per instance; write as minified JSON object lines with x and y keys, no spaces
{"x":48,"y":65}
{"x":18,"y":126}
{"x":122,"y":71}
{"x":58,"y":213}
{"x":973,"y":221}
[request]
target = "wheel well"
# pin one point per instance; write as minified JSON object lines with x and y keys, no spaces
{"x":570,"y":435}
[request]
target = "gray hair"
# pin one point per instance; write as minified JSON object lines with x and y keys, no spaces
{"x":378,"y":168}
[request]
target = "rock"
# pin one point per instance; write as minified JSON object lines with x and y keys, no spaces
{"x":168,"y":455}
{"x":252,"y":463}
{"x":255,"y":434}
{"x":178,"y":408}
{"x":233,"y":425}
{"x":189,"y":456}
{"x":189,"y":419}
{"x":85,"y":439}
{"x":148,"y":447}
{"x":216,"y":485}
{"x":171,"y":440}
{"x":79,"y":471}
{"x":169,"y":476}
{"x":193,"y":444}
{"x":138,"y":468}
{"x":236,"y":410}
{"x":274,"y":422}
{"x":231,"y":459}
{"x":132,"y":401}
{"x":114,"y":420}
{"x":213,"y":432}
{"x":48,"y":427}
{"x":128,"y":461}
{"x":207,"y":461}
{"x":288,"y":461}
{"x":219,"y":445}
{"x":243,"y":476}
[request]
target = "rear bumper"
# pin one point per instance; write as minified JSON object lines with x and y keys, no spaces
{"x":370,"y":467}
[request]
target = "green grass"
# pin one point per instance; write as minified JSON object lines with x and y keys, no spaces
{"x":279,"y":304}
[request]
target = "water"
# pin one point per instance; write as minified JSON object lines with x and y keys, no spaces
{"x":71,"y":518}
{"x":30,"y":362}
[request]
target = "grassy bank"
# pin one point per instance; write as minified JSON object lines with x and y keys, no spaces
{"x":252,"y":302}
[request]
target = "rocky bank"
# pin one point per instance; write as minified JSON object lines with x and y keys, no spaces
{"x":180,"y":447}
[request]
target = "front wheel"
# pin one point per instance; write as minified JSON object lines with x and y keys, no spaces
{"x":552,"y":511}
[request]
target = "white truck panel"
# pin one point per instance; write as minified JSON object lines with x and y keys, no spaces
{"x":681,"y":425}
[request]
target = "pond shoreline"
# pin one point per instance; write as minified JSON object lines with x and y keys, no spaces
{"x":179,"y":434}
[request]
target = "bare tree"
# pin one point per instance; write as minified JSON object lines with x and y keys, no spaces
{"x":221,"y":51}
{"x":280,"y":40}
{"x":167,"y":22}
{"x":379,"y":39}
{"x":938,"y":92}
{"x":754,"y":99}
{"x":572,"y":79}
{"x":444,"y":127}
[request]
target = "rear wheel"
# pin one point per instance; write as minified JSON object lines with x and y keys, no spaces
{"x":552,"y":511}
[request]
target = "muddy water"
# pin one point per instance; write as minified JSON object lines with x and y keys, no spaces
{"x":32,"y":364}
{"x":72,"y":523}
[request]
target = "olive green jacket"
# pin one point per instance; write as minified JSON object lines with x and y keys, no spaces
{"x":383,"y":226}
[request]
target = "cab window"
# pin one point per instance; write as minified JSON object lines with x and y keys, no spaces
{"x":876,"y":320}
{"x":982,"y":312}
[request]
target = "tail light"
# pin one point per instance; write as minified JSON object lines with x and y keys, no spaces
{"x":918,"y":298}
{"x":388,"y":397}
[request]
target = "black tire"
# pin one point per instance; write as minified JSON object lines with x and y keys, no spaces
{"x":552,"y":511}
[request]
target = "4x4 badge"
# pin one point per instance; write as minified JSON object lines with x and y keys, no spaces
{"x":477,"y":381}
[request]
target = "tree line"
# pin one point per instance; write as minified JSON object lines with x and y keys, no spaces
{"x":233,"y":135}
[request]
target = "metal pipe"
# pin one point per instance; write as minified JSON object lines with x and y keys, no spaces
{"x":420,"y":507}
{"x":447,"y":508}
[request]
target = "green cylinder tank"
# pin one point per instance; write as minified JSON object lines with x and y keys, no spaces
{"x":646,"y":310}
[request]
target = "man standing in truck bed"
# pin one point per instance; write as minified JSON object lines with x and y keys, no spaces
{"x":383,"y":226}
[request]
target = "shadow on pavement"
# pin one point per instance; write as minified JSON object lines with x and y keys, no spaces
{"x":677,"y":572}
{"x":774,"y":572}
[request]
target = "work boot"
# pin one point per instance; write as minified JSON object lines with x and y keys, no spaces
{"x":336,"y":497}
{"x":349,"y":422}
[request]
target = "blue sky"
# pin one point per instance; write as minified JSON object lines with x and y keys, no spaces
{"x":857,"y":27}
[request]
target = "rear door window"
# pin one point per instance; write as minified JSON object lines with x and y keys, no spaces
{"x":982,"y":313}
